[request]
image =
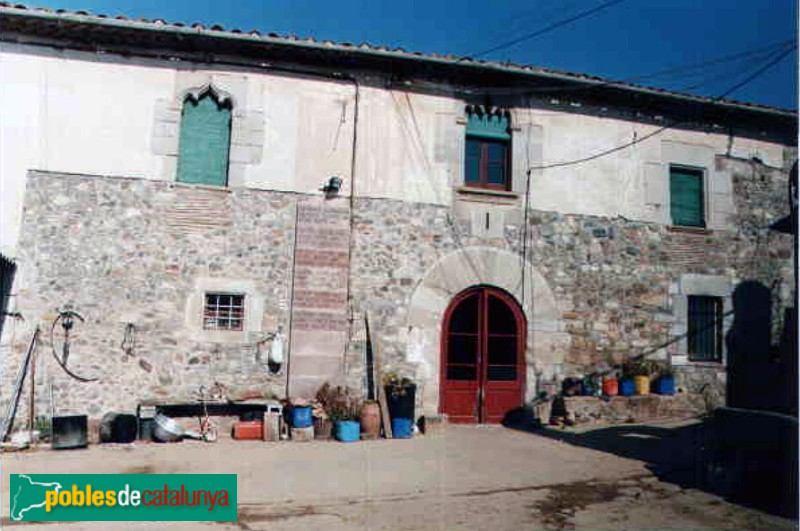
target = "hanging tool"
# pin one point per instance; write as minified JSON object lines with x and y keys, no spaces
{"x":128,"y":344}
{"x":66,"y":318}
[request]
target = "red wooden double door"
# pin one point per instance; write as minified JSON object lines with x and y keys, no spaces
{"x":483,"y":346}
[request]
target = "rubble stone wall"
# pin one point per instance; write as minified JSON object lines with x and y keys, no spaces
{"x":596,"y":289}
{"x":615,"y":281}
{"x":133,"y":251}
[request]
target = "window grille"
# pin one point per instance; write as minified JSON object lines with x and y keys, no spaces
{"x":223,"y":311}
{"x":705,"y":328}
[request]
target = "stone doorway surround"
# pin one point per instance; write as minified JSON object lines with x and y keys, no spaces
{"x":547,"y":342}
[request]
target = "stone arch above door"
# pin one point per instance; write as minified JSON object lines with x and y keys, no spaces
{"x":462,"y":269}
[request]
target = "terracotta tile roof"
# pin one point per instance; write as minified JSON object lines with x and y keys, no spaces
{"x":367,"y":48}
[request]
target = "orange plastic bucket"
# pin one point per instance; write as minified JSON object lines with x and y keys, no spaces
{"x":642,"y":385}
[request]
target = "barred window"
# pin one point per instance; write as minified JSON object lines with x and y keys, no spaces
{"x":223,"y":311}
{"x":705,"y":328}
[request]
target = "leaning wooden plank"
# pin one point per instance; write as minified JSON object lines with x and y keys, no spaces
{"x":8,"y":420}
{"x":378,"y":361}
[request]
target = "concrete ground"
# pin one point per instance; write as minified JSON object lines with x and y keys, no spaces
{"x":463,"y":478}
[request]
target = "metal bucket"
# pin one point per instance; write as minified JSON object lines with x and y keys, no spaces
{"x":167,"y":429}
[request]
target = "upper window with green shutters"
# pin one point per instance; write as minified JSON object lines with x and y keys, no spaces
{"x":687,"y":196}
{"x":487,"y":158}
{"x":205,"y":137}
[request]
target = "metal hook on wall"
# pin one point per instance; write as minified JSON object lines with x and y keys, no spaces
{"x":128,"y":344}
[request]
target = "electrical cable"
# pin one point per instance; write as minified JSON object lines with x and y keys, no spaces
{"x":660,"y":130}
{"x":709,"y":79}
{"x":549,"y":28}
{"x":687,"y":67}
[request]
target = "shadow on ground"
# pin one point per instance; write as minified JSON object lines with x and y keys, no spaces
{"x":694,"y":455}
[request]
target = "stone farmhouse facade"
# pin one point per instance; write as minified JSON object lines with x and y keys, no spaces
{"x":191,"y":191}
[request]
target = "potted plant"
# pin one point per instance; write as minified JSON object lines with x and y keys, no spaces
{"x":400,"y":397}
{"x":665,"y":383}
{"x":343,"y":411}
{"x":321,"y":412}
{"x":626,"y":385}
{"x":301,"y":413}
{"x":639,"y":371}
{"x":611,"y":384}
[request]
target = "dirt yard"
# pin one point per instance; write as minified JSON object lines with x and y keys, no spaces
{"x":464,"y":478}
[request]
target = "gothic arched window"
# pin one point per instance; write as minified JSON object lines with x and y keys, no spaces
{"x":204,"y":140}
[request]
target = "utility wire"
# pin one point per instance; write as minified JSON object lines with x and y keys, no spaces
{"x":707,"y":79}
{"x":660,"y":130}
{"x":549,"y":28}
{"x":756,"y":53}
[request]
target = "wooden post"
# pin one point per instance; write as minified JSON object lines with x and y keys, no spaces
{"x":8,"y":420}
{"x":378,"y":363}
{"x":32,"y":406}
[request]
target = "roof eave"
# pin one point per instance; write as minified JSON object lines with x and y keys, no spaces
{"x":522,"y":72}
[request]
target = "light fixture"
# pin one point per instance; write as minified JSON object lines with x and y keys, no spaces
{"x":333,"y":186}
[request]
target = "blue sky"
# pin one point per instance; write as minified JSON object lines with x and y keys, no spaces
{"x":624,"y":41}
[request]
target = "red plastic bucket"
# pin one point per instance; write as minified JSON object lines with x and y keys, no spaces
{"x":611,"y":387}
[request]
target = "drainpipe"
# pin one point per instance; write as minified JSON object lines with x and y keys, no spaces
{"x":351,"y":222}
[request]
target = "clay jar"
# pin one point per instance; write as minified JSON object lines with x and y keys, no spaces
{"x":370,"y":420}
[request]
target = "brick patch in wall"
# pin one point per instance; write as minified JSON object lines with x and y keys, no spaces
{"x":691,"y":249}
{"x":307,"y":298}
{"x":320,"y":278}
{"x":322,"y":216}
{"x":312,"y":237}
{"x":199,"y":210}
{"x":304,"y":257}
{"x":312,"y":320}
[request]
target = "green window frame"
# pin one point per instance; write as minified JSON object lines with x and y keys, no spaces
{"x":487,"y":160}
{"x":687,"y":196}
{"x":705,"y":330}
{"x":205,"y":137}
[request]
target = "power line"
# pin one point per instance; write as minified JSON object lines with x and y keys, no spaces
{"x":549,"y":28}
{"x":708,"y":79}
{"x":756,"y":53}
{"x":660,"y":130}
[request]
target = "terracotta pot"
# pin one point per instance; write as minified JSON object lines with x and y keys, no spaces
{"x":642,"y":385}
{"x":370,"y":420}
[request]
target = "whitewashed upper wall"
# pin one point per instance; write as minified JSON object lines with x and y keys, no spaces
{"x":77,"y":113}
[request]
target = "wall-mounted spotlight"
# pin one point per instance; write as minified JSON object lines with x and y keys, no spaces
{"x":333,"y":186}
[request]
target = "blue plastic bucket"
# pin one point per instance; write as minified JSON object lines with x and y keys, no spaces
{"x":665,"y":385}
{"x":301,"y":417}
{"x":348,"y":430}
{"x":402,"y":428}
{"x":626,"y":387}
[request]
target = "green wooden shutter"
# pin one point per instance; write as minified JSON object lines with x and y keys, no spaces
{"x":472,"y":172}
{"x":686,"y":197}
{"x":204,"y":141}
{"x":496,"y":153}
